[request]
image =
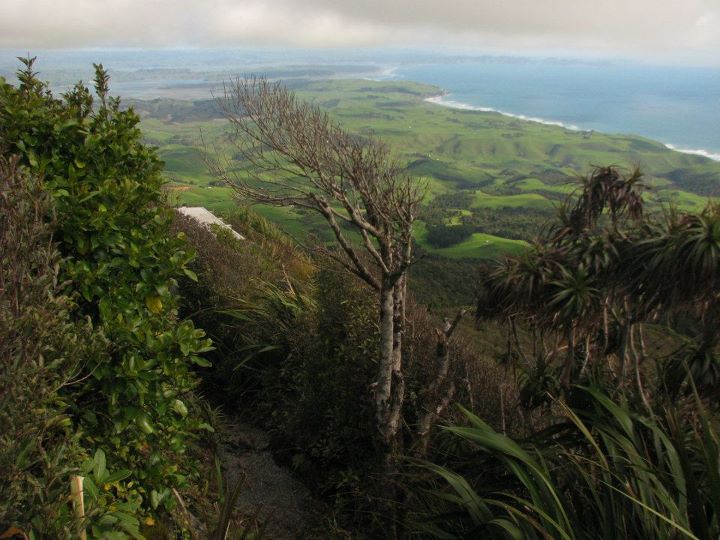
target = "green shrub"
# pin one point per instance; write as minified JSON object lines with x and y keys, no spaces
{"x":442,"y":235}
{"x":294,"y":353}
{"x":633,"y":450}
{"x":42,"y":350}
{"x":239,"y":298}
{"x":324,"y":421}
{"x":294,"y":348}
{"x":120,"y":268}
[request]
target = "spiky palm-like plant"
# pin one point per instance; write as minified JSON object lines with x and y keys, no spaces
{"x":568,"y":283}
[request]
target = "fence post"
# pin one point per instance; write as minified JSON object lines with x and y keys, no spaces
{"x":78,"y":501}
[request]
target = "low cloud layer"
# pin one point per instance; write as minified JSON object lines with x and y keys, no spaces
{"x":670,"y":29}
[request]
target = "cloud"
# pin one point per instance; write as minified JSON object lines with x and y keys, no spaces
{"x":682,"y":28}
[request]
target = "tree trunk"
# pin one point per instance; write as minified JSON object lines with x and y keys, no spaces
{"x":606,"y":326}
{"x":569,"y":368}
{"x":437,"y":398}
{"x":397,"y":393}
{"x":384,"y":385}
{"x":639,"y":357}
{"x":625,"y":331}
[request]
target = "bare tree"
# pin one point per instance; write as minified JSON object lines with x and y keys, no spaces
{"x":297,"y":156}
{"x":438,"y":395}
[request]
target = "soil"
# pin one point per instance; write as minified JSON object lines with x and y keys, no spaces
{"x":269,"y":491}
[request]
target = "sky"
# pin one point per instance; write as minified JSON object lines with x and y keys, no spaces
{"x":669,"y":31}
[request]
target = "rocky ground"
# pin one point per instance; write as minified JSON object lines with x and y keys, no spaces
{"x":283,"y":504}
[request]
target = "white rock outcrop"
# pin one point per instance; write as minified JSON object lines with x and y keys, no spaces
{"x":206,"y":218}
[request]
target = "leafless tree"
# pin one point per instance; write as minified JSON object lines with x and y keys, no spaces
{"x":438,"y":395}
{"x":298,"y":156}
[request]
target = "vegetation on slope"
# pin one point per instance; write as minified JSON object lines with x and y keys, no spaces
{"x":130,"y":404}
{"x":42,"y":349}
{"x":296,"y":340}
{"x":632,"y":449}
{"x":594,"y":417}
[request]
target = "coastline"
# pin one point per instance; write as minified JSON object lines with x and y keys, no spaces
{"x":441,"y":99}
{"x":715,"y":156}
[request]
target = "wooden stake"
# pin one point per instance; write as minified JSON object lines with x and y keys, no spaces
{"x":78,"y":500}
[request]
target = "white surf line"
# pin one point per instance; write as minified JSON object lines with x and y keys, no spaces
{"x":704,"y":153}
{"x":442,"y":100}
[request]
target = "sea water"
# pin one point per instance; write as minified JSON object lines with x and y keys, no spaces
{"x":679,"y":106}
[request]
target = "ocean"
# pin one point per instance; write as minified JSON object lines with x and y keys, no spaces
{"x":679,"y":106}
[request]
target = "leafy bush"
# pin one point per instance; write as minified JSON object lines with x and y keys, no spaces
{"x":41,"y":351}
{"x":239,"y":299}
{"x":317,"y":401}
{"x":120,"y":268}
{"x":442,"y":235}
{"x":294,"y":345}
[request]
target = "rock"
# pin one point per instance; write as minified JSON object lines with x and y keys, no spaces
{"x":268,"y":490}
{"x":207,"y":219}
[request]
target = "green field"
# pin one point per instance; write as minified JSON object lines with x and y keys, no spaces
{"x":472,"y":162}
{"x":479,"y":245}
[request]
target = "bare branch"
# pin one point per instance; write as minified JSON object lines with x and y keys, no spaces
{"x":294,"y":154}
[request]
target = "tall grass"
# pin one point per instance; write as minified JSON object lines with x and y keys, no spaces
{"x":601,"y":471}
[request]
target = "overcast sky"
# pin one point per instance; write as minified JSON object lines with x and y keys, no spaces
{"x":657,"y":30}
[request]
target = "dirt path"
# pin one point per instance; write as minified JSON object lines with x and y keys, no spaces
{"x":287,"y":505}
